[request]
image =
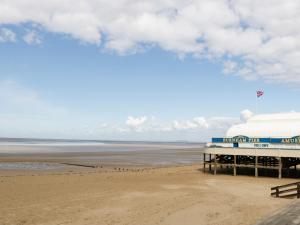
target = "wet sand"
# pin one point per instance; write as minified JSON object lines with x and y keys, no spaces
{"x":173,"y":195}
{"x":131,"y":154}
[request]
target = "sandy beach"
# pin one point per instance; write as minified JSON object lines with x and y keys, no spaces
{"x":174,"y":195}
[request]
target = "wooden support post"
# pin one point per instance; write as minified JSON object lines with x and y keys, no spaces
{"x":279,"y":168}
{"x":210,"y":162}
{"x":256,"y":169}
{"x":215,"y":165}
{"x":234,"y":165}
{"x":204,"y":162}
{"x":298,"y":190}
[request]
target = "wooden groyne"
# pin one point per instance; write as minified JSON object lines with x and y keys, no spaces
{"x":82,"y":165}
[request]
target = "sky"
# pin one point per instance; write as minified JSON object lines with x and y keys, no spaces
{"x":159,"y":70}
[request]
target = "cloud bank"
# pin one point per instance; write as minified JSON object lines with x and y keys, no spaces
{"x":252,"y":38}
{"x":151,"y":128}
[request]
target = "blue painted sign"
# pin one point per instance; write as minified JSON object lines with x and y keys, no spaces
{"x":245,"y":139}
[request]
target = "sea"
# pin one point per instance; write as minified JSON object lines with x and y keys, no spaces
{"x":33,"y":153}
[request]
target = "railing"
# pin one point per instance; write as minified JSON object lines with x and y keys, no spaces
{"x":286,"y":191}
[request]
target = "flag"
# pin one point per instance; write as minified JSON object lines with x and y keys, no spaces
{"x":259,"y":93}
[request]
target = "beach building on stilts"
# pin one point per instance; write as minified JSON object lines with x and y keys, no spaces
{"x":269,"y":141}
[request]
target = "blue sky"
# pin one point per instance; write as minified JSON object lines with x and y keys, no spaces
{"x":58,"y":83}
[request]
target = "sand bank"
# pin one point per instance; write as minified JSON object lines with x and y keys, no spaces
{"x":166,"y":196}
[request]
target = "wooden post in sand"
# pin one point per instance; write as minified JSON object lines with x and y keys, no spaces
{"x":215,"y":164}
{"x":256,"y":169}
{"x":279,"y":168}
{"x":234,"y":165}
{"x":204,"y":156}
{"x":210,"y":162}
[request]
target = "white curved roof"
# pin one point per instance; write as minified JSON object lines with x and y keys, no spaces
{"x":268,"y":125}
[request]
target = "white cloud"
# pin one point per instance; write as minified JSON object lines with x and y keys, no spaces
{"x":32,"y":37}
{"x":254,"y":38}
{"x":7,"y":35}
{"x":245,"y":115}
{"x":135,"y":122}
{"x":186,"y":125}
{"x":202,"y":123}
{"x":197,"y":122}
{"x":195,"y":129}
{"x":229,"y":67}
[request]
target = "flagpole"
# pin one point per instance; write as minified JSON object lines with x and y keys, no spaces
{"x":259,"y":93}
{"x":256,"y":106}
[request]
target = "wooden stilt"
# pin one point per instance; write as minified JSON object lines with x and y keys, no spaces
{"x":215,"y":165}
{"x":280,"y":168}
{"x":210,"y":162}
{"x":262,"y":165}
{"x":204,"y":162}
{"x":256,"y":169}
{"x":234,"y":165}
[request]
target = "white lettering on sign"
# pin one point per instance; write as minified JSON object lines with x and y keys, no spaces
{"x":261,"y":145}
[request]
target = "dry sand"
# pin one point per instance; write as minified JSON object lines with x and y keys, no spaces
{"x":166,"y":196}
